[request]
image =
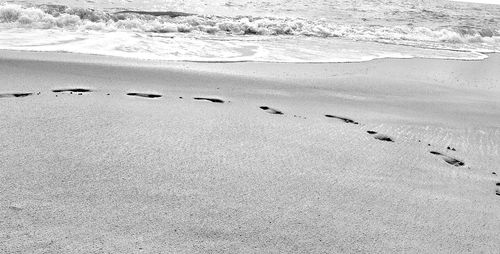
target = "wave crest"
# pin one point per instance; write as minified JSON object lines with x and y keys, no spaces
{"x":58,"y":16}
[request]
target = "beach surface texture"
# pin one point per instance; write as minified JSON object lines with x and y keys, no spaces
{"x":110,"y":155}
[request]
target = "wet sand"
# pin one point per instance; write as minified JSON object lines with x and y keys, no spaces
{"x":103,"y":154}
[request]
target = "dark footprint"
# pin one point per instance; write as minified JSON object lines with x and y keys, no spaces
{"x":346,"y":120}
{"x":271,"y":110}
{"x":383,"y":138}
{"x":15,"y":208}
{"x":16,"y":95}
{"x":72,"y":90}
{"x":371,"y":132}
{"x":145,"y":95}
{"x":214,"y":100}
{"x":497,"y":192}
{"x":449,"y":160}
{"x":453,"y":161}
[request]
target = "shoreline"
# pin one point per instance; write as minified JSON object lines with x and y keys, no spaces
{"x":257,"y":68}
{"x":49,"y":55}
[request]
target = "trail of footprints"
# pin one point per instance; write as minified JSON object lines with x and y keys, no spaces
{"x":273,"y":111}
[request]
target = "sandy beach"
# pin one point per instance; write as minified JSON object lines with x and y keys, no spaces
{"x":113,"y":155}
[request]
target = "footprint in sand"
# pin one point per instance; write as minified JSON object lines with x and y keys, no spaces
{"x":15,"y":208}
{"x":214,"y":100}
{"x":15,"y":95}
{"x":449,"y":160}
{"x":383,"y":137}
{"x":72,"y":90}
{"x":497,"y":191}
{"x":271,"y":110}
{"x":145,"y":95}
{"x":380,"y":136}
{"x":79,"y":91}
{"x":345,"y":120}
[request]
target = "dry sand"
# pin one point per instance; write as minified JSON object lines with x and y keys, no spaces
{"x":106,"y":172}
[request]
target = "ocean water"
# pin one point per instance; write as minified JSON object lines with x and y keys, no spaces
{"x":254,"y":30}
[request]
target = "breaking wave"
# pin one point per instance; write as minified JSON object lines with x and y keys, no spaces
{"x":181,"y":36}
{"x":63,"y":17}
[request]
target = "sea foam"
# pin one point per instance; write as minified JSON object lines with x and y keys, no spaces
{"x":93,"y":25}
{"x":49,"y":16}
